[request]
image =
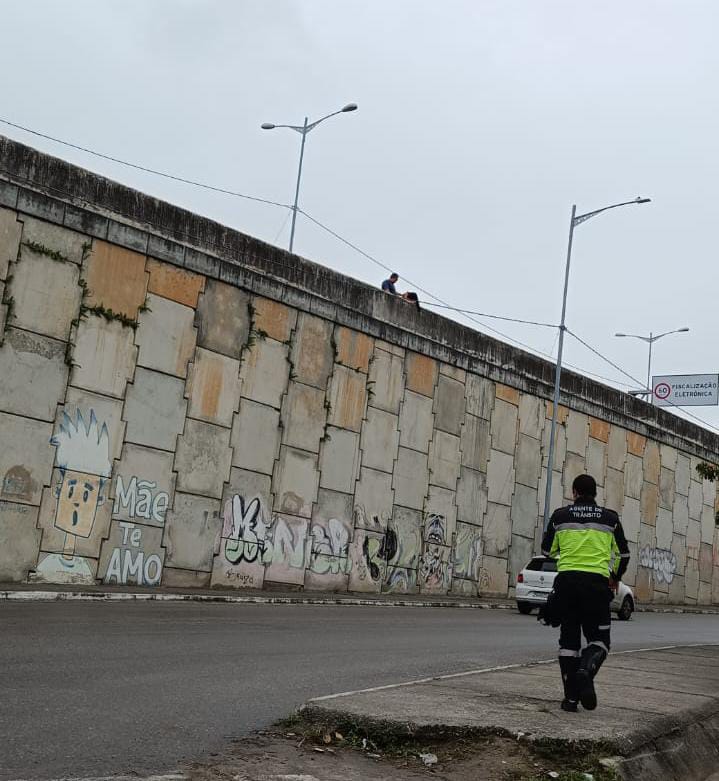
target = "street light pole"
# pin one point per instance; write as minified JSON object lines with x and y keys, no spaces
{"x":649,"y":391}
{"x":573,"y":222}
{"x":297,"y":189}
{"x":303,"y":130}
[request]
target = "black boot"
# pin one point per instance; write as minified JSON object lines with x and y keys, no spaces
{"x":592,"y":658}
{"x":568,"y":666}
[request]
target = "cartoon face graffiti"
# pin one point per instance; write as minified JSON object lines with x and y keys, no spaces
{"x":83,"y":456}
{"x":245,"y":530}
{"x":78,"y":497}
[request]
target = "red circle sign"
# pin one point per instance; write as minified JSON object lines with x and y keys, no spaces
{"x":662,"y":391}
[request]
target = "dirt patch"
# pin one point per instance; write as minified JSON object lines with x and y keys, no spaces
{"x":305,"y":755}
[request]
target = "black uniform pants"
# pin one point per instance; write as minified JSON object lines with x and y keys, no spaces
{"x":584,"y":600}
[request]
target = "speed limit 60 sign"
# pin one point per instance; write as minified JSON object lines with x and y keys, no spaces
{"x":686,"y":390}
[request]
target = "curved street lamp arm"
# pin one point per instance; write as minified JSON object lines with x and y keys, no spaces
{"x":666,"y":333}
{"x":588,"y":216}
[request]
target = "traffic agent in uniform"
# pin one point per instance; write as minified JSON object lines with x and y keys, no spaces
{"x":592,"y":554}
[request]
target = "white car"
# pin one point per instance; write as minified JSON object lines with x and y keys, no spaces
{"x":535,"y":582}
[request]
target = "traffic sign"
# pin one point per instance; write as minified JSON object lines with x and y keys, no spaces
{"x":686,"y":390}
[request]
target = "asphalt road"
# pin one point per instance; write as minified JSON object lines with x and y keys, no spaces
{"x":105,"y":689}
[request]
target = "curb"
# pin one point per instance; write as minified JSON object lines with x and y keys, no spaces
{"x":112,"y":596}
{"x":90,"y":596}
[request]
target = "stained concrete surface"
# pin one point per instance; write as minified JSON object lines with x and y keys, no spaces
{"x":106,"y":689}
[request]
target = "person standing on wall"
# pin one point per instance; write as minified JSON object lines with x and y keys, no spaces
{"x":593,"y":555}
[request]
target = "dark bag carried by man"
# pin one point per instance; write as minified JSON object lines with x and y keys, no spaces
{"x":550,"y":613}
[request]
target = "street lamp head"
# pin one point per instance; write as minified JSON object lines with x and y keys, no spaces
{"x":682,"y":330}
{"x":619,"y":334}
{"x":350,"y":107}
{"x":267,"y":126}
{"x":638,"y":199}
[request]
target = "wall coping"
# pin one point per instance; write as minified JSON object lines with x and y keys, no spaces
{"x":46,"y":187}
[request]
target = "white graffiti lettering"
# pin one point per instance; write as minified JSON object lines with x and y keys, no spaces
{"x":132,"y":564}
{"x":140,"y":500}
{"x":662,"y":562}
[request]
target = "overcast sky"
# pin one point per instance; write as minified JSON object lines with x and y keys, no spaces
{"x":480,"y":123}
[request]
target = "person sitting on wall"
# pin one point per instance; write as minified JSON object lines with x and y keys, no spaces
{"x":389,"y":284}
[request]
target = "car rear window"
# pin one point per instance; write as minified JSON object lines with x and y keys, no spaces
{"x":542,"y":565}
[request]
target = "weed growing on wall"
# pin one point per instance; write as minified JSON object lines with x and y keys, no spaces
{"x":109,"y":315}
{"x":41,"y":249}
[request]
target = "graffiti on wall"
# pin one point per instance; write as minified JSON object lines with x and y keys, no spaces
{"x":662,"y":562}
{"x":329,"y":551}
{"x":256,"y":543}
{"x":435,"y":568}
{"x":141,"y":499}
{"x":468,"y":552}
{"x":130,"y":562}
{"x":83,"y":457}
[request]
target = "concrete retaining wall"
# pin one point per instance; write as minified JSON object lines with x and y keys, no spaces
{"x":181,"y":404}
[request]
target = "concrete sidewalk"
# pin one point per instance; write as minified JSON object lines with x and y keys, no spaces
{"x":658,"y":710}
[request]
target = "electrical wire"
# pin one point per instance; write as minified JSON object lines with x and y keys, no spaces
{"x":137,"y":167}
{"x":640,"y":382}
{"x":493,"y":317}
{"x":283,"y":226}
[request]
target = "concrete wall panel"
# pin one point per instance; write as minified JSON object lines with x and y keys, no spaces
{"x":379,"y":440}
{"x":192,"y":532}
{"x":10,"y":233}
{"x":265,"y":372}
{"x":166,"y":336}
{"x":353,"y":349}
{"x":223,"y":319}
{"x":33,"y":374}
{"x":213,"y":388}
{"x":303,"y":417}
{"x":20,"y":541}
{"x":296,"y":481}
{"x":273,"y":319}
{"x":339,"y":460}
{"x":155,"y":410}
{"x":531,"y":416}
{"x":26,"y":459}
{"x":500,"y":477}
{"x":255,"y":437}
{"x":173,"y":283}
{"x":479,"y":394}
{"x":203,"y":459}
{"x":103,"y":357}
{"x":411,"y":478}
{"x":348,"y":397}
{"x":416,"y":422}
{"x":312,"y":353}
{"x":374,"y":500}
{"x":116,"y":279}
{"x":386,"y":381}
{"x":449,"y":405}
{"x":504,"y":426}
{"x":475,"y":443}
{"x":46,"y":294}
{"x":444,"y":460}
{"x":421,"y":373}
{"x":471,"y":496}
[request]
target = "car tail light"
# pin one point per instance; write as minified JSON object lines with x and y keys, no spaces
{"x":520,"y":578}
